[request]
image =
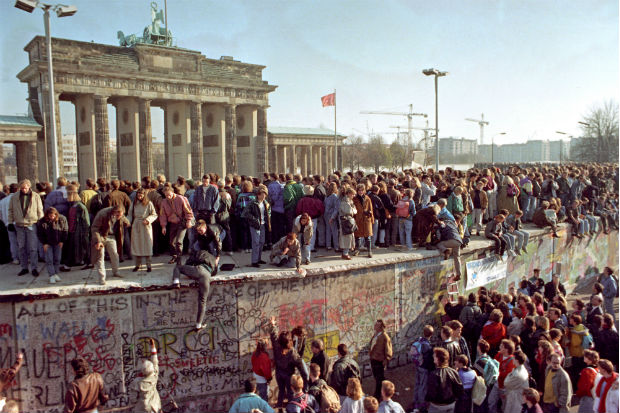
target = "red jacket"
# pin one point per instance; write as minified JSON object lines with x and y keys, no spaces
{"x":494,"y":333}
{"x":261,"y":365}
{"x":586,"y":382}
{"x":506,"y":365}
{"x":313,"y":206}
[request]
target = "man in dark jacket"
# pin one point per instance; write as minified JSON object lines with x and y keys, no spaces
{"x":343,"y":369}
{"x":553,"y":287}
{"x":258,"y":216}
{"x":200,"y":266}
{"x":444,"y":384}
{"x":450,"y":241}
{"x":206,"y":200}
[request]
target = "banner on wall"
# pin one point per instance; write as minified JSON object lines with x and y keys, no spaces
{"x":484,"y":271}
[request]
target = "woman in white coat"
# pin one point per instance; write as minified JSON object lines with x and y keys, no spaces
{"x":141,"y":215}
{"x":515,"y":383}
{"x":346,"y":211}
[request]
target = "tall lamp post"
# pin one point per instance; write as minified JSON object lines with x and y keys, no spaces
{"x":493,"y":146}
{"x":61,"y":11}
{"x":437,"y":74}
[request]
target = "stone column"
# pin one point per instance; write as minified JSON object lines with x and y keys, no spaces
{"x":231,"y":139}
{"x":292,"y":159}
{"x":339,"y":158}
{"x":304,"y":160}
{"x":262,"y":149}
{"x":26,"y":159}
{"x":102,"y":137}
{"x":281,"y":158}
{"x":324,"y":152}
{"x":273,"y":153}
{"x":146,"y":139}
{"x":196,"y":137}
{"x":166,"y":144}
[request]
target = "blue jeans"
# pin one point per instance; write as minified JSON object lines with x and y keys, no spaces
{"x":52,"y":259}
{"x":404,"y":229}
{"x":419,"y":392}
{"x":305,"y":253}
{"x":28,"y":245}
{"x":314,"y":227}
{"x":529,"y":207}
{"x":523,"y":237}
{"x":331,"y":234}
{"x":262,"y":389}
{"x":258,"y":241}
{"x":320,"y":228}
{"x":13,"y":245}
{"x":375,"y":232}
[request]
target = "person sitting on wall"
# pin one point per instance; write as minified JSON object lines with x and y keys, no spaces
{"x":199,"y":266}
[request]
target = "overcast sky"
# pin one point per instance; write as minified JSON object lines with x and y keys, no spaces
{"x":532,"y":67}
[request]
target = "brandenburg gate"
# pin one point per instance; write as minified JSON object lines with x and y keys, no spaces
{"x":214,"y":110}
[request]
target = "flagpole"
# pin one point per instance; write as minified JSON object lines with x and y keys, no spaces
{"x":335,"y":137}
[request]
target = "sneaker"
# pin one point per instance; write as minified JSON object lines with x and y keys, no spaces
{"x":15,"y":262}
{"x":57,"y":278}
{"x":52,"y":279}
{"x":22,"y":272}
{"x":35,"y":272}
{"x":198,"y":326}
{"x":176,"y":284}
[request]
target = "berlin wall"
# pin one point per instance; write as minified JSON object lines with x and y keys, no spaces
{"x":204,"y":371}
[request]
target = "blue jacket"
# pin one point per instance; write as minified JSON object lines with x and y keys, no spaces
{"x":276,"y":198}
{"x":58,"y":200}
{"x":205,"y":200}
{"x":450,"y":231}
{"x":248,"y":401}
{"x":445,"y":215}
{"x":609,"y":287}
{"x":332,"y":203}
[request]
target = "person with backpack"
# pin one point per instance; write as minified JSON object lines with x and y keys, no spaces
{"x":301,"y":402}
{"x":326,"y":397}
{"x":469,"y":317}
{"x":578,"y":334}
{"x":405,"y":211}
{"x":421,"y":354}
{"x":343,"y":369}
{"x":488,"y":368}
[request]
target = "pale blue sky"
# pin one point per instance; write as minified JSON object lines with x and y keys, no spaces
{"x":533,"y":67}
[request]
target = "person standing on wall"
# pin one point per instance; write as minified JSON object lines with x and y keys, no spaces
{"x":380,"y":352}
{"x":25,"y":209}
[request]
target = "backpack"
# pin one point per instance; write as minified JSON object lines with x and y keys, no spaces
{"x":402,"y":209}
{"x":97,"y":203}
{"x":587,"y":342}
{"x":330,"y":401}
{"x":418,"y":352}
{"x":479,"y":391}
{"x":303,"y":404}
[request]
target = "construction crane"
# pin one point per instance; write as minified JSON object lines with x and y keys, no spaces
{"x":409,"y":116}
{"x":425,"y":139}
{"x":482,"y":123}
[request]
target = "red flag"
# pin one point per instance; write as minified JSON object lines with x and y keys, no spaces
{"x":329,"y":100}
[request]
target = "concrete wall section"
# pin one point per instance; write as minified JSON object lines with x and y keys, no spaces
{"x":203,"y":371}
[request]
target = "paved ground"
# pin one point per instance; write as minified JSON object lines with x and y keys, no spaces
{"x":79,"y":282}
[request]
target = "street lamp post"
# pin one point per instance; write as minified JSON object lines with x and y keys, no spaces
{"x":561,"y":144}
{"x":493,"y":146}
{"x":62,"y":11}
{"x":436,"y":73}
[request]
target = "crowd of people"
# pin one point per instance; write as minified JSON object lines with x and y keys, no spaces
{"x":292,"y":216}
{"x":490,"y":351}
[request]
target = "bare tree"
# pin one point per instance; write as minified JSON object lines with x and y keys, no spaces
{"x":600,"y":135}
{"x":377,"y":154}
{"x":353,"y":152}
